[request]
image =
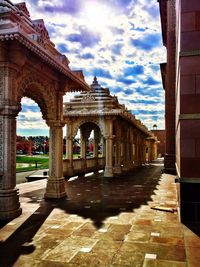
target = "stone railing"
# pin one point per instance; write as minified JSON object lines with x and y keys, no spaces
{"x":81,"y":166}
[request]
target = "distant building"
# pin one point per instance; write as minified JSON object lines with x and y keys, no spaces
{"x":180,"y":22}
{"x":161,"y":136}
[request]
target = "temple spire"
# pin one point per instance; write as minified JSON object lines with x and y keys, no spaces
{"x":95,"y":85}
{"x":95,"y":82}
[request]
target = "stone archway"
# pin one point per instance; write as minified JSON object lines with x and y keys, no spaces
{"x":98,"y":122}
{"x":41,"y":92}
{"x":80,"y":165}
{"x":50,"y":101}
{"x":30,"y":66}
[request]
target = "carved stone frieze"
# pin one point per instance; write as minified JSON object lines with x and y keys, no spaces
{"x":22,"y":7}
{"x":40,"y":28}
{"x":41,"y":91}
{"x":7,"y":78}
{"x":88,"y":98}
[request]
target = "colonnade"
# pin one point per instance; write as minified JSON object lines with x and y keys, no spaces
{"x":124,"y":147}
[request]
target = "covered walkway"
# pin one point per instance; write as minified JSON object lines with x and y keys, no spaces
{"x":120,"y":141}
{"x":103,"y":222}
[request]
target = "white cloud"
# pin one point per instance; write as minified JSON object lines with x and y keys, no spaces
{"x":111,"y":25}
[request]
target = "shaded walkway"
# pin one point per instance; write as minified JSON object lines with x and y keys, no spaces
{"x":104,"y":222}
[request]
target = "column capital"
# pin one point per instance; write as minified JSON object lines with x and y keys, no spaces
{"x":9,"y":107}
{"x":55,"y":123}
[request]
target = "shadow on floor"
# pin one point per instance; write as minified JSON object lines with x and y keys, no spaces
{"x":98,"y":198}
{"x":93,"y":197}
{"x":19,"y":243}
{"x":194,"y":227}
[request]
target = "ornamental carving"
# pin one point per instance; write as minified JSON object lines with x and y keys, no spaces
{"x":41,"y":92}
{"x":7,"y":72}
{"x":40,"y":28}
{"x":22,"y":7}
{"x":88,"y":98}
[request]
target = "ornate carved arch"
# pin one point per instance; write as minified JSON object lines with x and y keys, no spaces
{"x":41,"y":92}
{"x":99,"y":123}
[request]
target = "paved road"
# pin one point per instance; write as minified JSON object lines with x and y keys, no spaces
{"x":21,"y":176}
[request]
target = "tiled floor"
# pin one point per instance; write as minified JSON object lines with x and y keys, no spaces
{"x":103,"y":223}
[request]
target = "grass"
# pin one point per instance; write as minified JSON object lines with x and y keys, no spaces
{"x":40,"y":162}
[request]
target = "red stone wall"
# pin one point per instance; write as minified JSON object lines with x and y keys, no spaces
{"x":189,"y":117}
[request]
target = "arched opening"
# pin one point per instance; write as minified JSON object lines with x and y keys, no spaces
{"x":32,"y":142}
{"x":84,"y":148}
{"x":90,"y":140}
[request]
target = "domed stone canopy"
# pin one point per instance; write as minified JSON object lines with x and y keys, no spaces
{"x":99,"y":102}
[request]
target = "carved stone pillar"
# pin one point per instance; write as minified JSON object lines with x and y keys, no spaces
{"x":56,"y":182}
{"x":117,"y":167}
{"x":126,"y":164}
{"x":83,"y":150}
{"x":109,"y":148}
{"x":69,"y":149}
{"x":136,"y":150}
{"x":9,"y":197}
{"x":109,"y":157}
{"x":95,"y":148}
{"x":103,"y":147}
{"x":144,"y":146}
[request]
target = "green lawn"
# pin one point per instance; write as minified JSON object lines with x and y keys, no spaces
{"x":32,"y":162}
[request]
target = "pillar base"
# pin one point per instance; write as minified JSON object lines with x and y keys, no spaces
{"x":118,"y":169}
{"x":9,"y":204}
{"x":169,"y":164}
{"x":108,"y":172}
{"x":69,"y":172}
{"x":55,"y":188}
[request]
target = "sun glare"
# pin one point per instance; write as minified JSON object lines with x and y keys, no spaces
{"x":96,"y":16}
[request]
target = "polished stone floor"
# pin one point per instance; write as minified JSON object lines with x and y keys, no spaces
{"x":102,"y":223}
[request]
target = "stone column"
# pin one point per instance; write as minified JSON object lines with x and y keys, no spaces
{"x":143,"y":150}
{"x":109,"y":148}
{"x":126,"y":151}
{"x":95,"y":148}
{"x":139,"y":150}
{"x":96,"y":143}
{"x":103,"y":147}
{"x":9,"y":197}
{"x":118,"y":168}
{"x":69,"y":149}
{"x":56,"y":182}
{"x":109,"y":157}
{"x":83,"y":150}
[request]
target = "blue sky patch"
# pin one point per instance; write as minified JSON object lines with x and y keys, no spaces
{"x":85,"y":38}
{"x":148,"y":42}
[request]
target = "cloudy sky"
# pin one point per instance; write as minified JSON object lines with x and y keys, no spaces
{"x":119,"y":41}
